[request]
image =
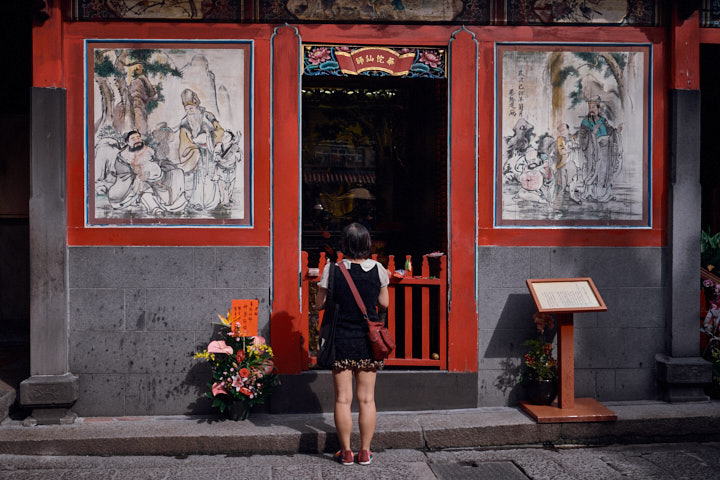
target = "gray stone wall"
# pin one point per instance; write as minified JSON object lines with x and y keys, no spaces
{"x":137,"y":314}
{"x":614,"y":350}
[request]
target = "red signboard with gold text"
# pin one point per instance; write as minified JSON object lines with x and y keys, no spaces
{"x":374,"y":58}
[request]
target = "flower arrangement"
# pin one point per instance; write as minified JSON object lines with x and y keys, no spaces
{"x":539,"y":361}
{"x":242,"y":367}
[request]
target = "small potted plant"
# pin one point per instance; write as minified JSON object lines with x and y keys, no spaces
{"x":243,"y":372}
{"x":540,"y":373}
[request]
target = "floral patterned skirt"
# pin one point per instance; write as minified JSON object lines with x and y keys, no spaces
{"x":353,"y":350}
{"x":354,"y":365}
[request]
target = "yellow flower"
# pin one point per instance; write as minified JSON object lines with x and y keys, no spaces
{"x":204,"y":355}
{"x":224,"y":320}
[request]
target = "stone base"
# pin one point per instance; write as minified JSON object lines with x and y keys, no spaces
{"x":50,"y":397}
{"x":683,"y":377}
{"x":50,"y":416}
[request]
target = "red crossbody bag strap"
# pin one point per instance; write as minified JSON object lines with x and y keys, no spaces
{"x":353,"y":289}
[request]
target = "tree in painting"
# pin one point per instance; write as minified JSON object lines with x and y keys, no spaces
{"x":128,"y":70}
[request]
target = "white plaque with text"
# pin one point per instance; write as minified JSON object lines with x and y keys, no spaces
{"x":566,"y":294}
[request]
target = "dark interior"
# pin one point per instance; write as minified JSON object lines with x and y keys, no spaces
{"x":374,"y":151}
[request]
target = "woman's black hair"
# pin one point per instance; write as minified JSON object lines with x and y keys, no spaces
{"x":356,"y":242}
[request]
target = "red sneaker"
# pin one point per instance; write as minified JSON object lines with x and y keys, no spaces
{"x":365,"y":457}
{"x":344,"y":457}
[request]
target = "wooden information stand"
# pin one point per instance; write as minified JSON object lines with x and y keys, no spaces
{"x":563,"y":297}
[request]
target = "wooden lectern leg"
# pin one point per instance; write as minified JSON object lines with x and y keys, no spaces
{"x":566,"y":360}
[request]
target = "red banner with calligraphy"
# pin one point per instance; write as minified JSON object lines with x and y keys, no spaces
{"x":374,"y":58}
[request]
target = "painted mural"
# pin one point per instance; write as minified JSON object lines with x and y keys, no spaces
{"x":215,"y":10}
{"x":514,"y":12}
{"x":613,"y":12}
{"x":710,"y":14}
{"x":572,"y":135}
{"x":364,"y":11}
{"x":169,"y":133}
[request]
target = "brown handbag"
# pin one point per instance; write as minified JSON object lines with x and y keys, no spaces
{"x":381,"y":339}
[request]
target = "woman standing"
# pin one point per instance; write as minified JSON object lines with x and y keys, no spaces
{"x":353,"y":352}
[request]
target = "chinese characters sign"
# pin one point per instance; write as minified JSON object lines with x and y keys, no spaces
{"x":377,"y":59}
{"x":345,"y":60}
{"x":244,"y":317}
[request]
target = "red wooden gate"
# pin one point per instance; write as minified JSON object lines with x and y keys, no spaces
{"x":416,"y":316}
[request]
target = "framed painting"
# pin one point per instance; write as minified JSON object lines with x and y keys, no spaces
{"x":644,"y":13}
{"x":169,"y":133}
{"x":572,"y":135}
{"x":176,"y":10}
{"x":380,"y":11}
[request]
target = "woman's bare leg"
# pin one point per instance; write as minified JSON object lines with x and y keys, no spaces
{"x":365,"y":381}
{"x":342,"y":381}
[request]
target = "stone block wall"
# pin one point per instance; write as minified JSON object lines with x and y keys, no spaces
{"x":614,"y":350}
{"x":137,"y":314}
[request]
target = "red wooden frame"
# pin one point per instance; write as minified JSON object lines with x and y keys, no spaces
{"x":71,"y":77}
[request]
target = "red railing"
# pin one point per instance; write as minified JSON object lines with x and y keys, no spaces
{"x":416,"y":316}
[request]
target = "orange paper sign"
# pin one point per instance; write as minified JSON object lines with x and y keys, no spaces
{"x":244,"y":318}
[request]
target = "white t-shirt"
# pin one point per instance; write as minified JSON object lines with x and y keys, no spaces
{"x":366,"y":265}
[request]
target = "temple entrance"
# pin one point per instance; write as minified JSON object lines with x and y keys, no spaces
{"x":374,"y":151}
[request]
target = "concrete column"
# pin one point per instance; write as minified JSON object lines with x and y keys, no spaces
{"x":681,"y":370}
{"x":52,"y":389}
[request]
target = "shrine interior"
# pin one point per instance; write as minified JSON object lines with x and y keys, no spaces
{"x":374,"y":151}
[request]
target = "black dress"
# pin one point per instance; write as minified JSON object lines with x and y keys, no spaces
{"x":352,"y":347}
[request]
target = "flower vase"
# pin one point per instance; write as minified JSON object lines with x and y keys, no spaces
{"x":542,"y":392}
{"x":239,"y":410}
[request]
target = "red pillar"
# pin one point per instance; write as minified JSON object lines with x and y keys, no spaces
{"x":47,"y":38}
{"x":685,"y":49}
{"x":285,"y":322}
{"x":462,"y":321}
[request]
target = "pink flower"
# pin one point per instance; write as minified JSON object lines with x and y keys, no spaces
{"x":403,"y":51}
{"x":238,"y":381}
{"x":319,"y":55}
{"x":430,"y":58}
{"x":258,"y":340}
{"x":219,"y":346}
{"x":707,"y":283}
{"x":267,"y":367}
{"x":218,"y":388}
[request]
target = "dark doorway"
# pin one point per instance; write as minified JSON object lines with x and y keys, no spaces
{"x":374,"y":151}
{"x":709,"y":155}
